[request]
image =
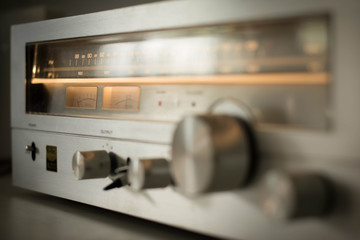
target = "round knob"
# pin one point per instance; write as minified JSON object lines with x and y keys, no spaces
{"x":91,"y":164}
{"x":212,"y":153}
{"x":293,"y":195}
{"x":148,"y":173}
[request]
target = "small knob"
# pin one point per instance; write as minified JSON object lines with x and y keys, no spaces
{"x":32,"y":149}
{"x":148,"y":173}
{"x":212,"y":153}
{"x":293,"y":195}
{"x":91,"y":164}
{"x":29,"y":148}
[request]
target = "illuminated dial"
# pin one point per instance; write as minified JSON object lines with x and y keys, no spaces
{"x":81,"y":97}
{"x":121,"y":98}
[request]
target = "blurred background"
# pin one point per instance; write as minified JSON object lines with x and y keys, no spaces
{"x":22,"y":11}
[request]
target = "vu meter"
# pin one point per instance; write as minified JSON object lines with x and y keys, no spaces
{"x":81,"y":97}
{"x":121,"y":98}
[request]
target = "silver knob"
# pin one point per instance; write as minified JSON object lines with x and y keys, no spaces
{"x":212,"y":153}
{"x":29,"y":148}
{"x":148,"y":173}
{"x":91,"y":164}
{"x":292,"y":195}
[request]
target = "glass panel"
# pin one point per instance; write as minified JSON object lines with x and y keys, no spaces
{"x":92,"y":75}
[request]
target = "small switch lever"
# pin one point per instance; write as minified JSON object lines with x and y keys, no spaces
{"x":31,"y":148}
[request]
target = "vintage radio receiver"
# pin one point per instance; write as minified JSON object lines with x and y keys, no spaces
{"x":237,"y":119}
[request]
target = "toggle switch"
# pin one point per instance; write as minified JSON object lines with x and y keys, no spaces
{"x":32,"y":149}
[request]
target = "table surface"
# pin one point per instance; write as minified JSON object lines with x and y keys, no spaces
{"x":29,"y":215}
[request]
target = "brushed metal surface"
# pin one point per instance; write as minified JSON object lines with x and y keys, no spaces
{"x":29,"y":215}
{"x":229,"y":214}
{"x":210,"y":153}
{"x":148,"y":173}
{"x":91,"y":164}
{"x":295,"y":195}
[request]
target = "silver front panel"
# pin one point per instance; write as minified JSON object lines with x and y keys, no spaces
{"x":332,"y":150}
{"x":231,"y":214}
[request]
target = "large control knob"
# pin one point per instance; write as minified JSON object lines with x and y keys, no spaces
{"x":148,"y":173}
{"x":212,"y":153}
{"x":91,"y":164}
{"x":292,"y":195}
